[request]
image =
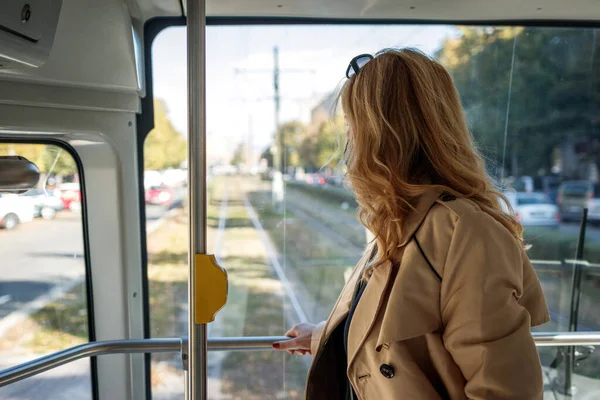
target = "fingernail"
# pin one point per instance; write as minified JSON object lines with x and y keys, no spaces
{"x":276,"y":345}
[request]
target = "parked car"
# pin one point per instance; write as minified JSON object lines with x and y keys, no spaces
{"x":70,"y":194}
{"x":315,"y":179}
{"x":15,"y":210}
{"x":46,"y":202}
{"x":546,"y":184}
{"x":159,"y":195}
{"x":534,"y":209}
{"x":152,"y":178}
{"x":335,"y":180}
{"x":574,"y":196}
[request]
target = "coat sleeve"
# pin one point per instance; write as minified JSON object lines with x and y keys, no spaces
{"x":316,"y":337}
{"x":487,"y":330}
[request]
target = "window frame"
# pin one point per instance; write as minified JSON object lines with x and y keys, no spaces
{"x":91,"y":325}
{"x":145,"y":118}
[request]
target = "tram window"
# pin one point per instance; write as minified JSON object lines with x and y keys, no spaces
{"x":530,"y":96}
{"x":43,"y":296}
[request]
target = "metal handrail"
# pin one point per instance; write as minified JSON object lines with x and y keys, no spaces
{"x":54,"y":360}
{"x":179,"y":345}
{"x":566,"y":339}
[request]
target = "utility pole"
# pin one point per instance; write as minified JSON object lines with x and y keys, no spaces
{"x":279,"y":149}
{"x":249,"y":145}
{"x":279,"y":140}
{"x":278,"y":163}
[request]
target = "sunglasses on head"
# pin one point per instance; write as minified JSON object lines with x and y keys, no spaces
{"x":357,"y":63}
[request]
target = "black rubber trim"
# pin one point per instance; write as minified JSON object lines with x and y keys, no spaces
{"x":86,"y":243}
{"x":144,"y":124}
{"x":18,"y":34}
{"x":426,"y":259}
{"x":216,"y":20}
{"x":182,"y":8}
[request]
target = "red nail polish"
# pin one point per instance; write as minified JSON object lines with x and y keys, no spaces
{"x":276,"y":345}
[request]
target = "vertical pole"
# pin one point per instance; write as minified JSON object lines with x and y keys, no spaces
{"x":277,"y":184}
{"x":278,"y":164}
{"x":250,"y":146}
{"x":574,"y":312}
{"x":197,"y":351}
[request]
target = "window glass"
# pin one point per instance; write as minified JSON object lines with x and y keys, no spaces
{"x":279,"y":216}
{"x":43,"y":298}
{"x":576,"y":190}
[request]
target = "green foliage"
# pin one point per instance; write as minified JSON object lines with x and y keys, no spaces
{"x":164,"y":147}
{"x":555,"y":92}
{"x":329,"y":142}
{"x":50,"y":159}
{"x":290,"y":135}
{"x":309,"y":148}
{"x":238,"y":156}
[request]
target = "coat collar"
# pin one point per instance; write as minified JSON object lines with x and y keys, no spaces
{"x":415,"y":218}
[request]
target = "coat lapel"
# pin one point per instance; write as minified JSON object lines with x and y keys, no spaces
{"x":367,"y":309}
{"x":373,"y":297}
{"x":414,"y":299}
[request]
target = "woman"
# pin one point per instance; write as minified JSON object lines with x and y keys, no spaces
{"x":441,"y":305}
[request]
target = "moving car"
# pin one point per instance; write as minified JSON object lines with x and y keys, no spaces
{"x":315,"y":179}
{"x":15,"y":210}
{"x":574,"y":196}
{"x":534,"y":209}
{"x":70,"y":194}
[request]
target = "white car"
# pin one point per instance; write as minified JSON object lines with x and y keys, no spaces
{"x":594,"y":210}
{"x":46,"y":202}
{"x":534,"y":209}
{"x":15,"y":210}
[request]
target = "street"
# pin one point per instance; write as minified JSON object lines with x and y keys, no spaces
{"x":40,"y":261}
{"x":41,"y":255}
{"x":37,"y":256}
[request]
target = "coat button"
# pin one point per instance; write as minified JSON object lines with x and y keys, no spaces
{"x":387,"y":371}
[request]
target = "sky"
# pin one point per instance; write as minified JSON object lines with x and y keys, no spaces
{"x":239,"y":73}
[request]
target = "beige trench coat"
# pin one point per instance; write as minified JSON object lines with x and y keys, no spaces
{"x":458,"y":331}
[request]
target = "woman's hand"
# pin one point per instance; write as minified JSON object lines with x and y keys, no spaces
{"x":301,"y":336}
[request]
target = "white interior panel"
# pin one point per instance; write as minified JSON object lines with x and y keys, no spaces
{"x":105,"y":143}
{"x":93,"y":48}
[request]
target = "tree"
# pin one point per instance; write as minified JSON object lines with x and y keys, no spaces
{"x":164,"y":147}
{"x":329,"y":143}
{"x":268,"y":156}
{"x":311,"y":147}
{"x":238,"y":156}
{"x":290,"y":135}
{"x":554,"y":80}
{"x":50,"y":159}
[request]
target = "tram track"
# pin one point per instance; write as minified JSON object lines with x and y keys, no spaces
{"x":300,"y":204}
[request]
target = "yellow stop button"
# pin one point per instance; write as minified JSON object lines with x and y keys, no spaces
{"x":211,"y":288}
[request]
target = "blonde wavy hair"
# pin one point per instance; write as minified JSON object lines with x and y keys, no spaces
{"x":407,"y":134}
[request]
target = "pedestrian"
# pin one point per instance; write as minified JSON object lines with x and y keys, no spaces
{"x":441,"y":305}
